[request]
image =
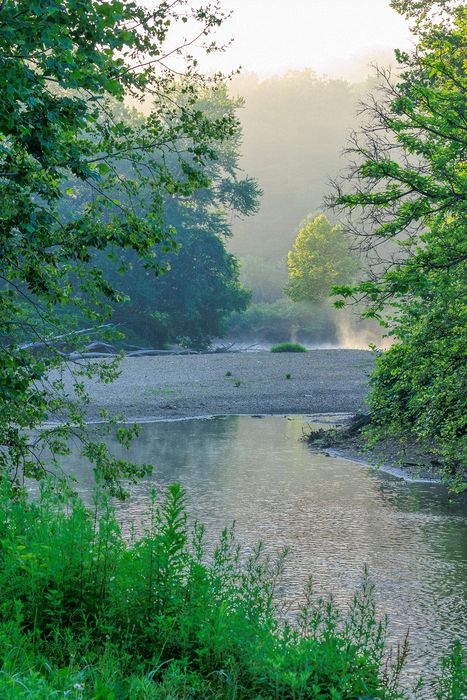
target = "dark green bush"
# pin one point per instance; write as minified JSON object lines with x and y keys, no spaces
{"x":86,"y":614}
{"x":288,"y":347}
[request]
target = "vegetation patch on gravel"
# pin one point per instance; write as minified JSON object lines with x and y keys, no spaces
{"x":288,"y":347}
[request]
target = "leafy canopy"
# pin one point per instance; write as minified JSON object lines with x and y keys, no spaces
{"x":407,"y":185}
{"x":320,"y":259}
{"x":64,"y":66}
{"x":191,"y":301}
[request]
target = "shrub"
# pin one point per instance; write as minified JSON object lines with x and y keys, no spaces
{"x":87,"y":614}
{"x":418,"y":385}
{"x":288,"y":347}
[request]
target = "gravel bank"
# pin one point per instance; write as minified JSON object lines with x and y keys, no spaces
{"x":321,"y":381}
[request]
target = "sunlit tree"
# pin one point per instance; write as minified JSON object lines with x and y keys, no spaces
{"x":320,"y":259}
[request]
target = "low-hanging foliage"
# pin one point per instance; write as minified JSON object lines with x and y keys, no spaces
{"x":405,"y":195}
{"x":87,"y":614}
{"x":83,"y":176}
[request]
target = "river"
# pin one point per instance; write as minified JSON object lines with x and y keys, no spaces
{"x":333,"y":514}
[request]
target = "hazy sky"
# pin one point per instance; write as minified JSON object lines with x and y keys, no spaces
{"x":272,"y":36}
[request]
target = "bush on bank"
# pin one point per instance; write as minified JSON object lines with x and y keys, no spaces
{"x":288,"y":347}
{"x":86,"y":613}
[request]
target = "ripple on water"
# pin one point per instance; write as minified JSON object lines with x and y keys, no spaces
{"x":334,"y":515}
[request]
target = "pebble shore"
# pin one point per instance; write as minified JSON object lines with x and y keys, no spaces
{"x":319,"y":381}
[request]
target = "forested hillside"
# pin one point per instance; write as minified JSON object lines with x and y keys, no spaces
{"x":294,"y":131}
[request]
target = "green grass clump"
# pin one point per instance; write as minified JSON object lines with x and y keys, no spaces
{"x":288,"y":347}
{"x":86,"y":613}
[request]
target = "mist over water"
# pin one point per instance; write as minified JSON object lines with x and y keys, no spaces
{"x":314,"y":326}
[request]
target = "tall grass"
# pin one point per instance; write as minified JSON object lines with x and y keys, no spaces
{"x":85,"y":613}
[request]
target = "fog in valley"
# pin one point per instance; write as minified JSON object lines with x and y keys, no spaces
{"x":295,"y":81}
{"x":295,"y":128}
{"x":303,"y":71}
{"x":233,"y":323}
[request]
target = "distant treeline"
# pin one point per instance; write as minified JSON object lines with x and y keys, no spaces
{"x":295,"y":127}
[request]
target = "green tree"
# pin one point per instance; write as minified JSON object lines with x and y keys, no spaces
{"x":200,"y":288}
{"x":63,"y":65}
{"x":408,"y":187}
{"x":188,"y":304}
{"x":320,"y":259}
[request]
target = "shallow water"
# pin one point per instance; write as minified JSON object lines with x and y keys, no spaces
{"x":335,"y":516}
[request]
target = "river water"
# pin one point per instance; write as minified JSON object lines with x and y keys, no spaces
{"x":334,"y":515}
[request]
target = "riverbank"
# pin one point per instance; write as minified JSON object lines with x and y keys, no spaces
{"x":408,"y":461}
{"x":319,"y":381}
{"x":257,"y":383}
{"x":215,"y":626}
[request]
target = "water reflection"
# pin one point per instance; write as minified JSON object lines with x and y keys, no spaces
{"x":333,"y":514}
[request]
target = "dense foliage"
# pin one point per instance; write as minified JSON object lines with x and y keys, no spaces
{"x":191,"y":302}
{"x":409,"y":187}
{"x":200,"y":288}
{"x":64,"y":65}
{"x":86,"y":614}
{"x":320,"y":259}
